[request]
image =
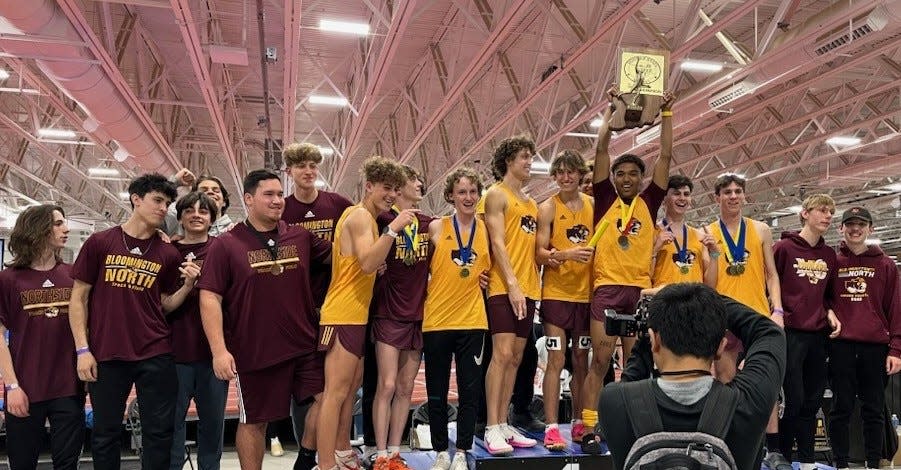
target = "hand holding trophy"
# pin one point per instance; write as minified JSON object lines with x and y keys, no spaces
{"x":642,"y":81}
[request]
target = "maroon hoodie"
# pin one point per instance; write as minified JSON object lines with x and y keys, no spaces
{"x":866,"y":298}
{"x":805,"y":273}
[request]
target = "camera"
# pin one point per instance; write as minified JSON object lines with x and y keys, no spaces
{"x":620,"y":324}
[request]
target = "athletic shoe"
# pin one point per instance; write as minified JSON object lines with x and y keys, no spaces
{"x":442,"y":462}
{"x":526,"y":421}
{"x":275,"y":447}
{"x":552,"y":439}
{"x":459,"y":462}
{"x":515,"y":439}
{"x":776,"y":461}
{"x":578,"y":430}
{"x":496,"y":441}
{"x":349,"y":462}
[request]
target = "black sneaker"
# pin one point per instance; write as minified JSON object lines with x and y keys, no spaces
{"x":776,"y":461}
{"x":526,"y":421}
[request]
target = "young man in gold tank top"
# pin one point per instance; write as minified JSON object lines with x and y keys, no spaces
{"x":357,"y":252}
{"x":622,"y":261}
{"x":746,"y":273}
{"x":681,"y":253}
{"x":564,"y":229}
{"x":513,"y":286}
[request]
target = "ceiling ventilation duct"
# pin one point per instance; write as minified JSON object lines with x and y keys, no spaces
{"x":875,"y":21}
{"x":731,"y":94}
{"x":79,"y":75}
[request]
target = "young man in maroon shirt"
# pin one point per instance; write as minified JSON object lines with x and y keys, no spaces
{"x":126,"y":277}
{"x":39,"y":365}
{"x":397,"y":309}
{"x":806,"y":266}
{"x":867,"y":300}
{"x":317,"y":211}
{"x":193,"y":362}
{"x":256,"y":287}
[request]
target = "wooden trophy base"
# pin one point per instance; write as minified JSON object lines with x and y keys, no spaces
{"x":632,"y":110}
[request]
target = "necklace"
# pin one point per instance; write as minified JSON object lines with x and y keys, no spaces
{"x":136,"y":250}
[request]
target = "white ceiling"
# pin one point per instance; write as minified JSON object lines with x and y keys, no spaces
{"x":438,"y":83}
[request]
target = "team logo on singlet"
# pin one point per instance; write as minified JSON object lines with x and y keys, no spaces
{"x":528,"y":224}
{"x":690,"y":257}
{"x":635,"y":229}
{"x":455,"y":257}
{"x":578,"y":233}
{"x":815,"y":270}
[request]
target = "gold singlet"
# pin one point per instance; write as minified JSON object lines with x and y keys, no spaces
{"x":350,"y":292}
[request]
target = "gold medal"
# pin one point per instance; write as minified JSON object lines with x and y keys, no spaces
{"x":684,"y":269}
{"x":730,"y":270}
{"x":51,"y":312}
{"x":409,"y":258}
{"x":464,"y":273}
{"x":623,"y":242}
{"x":277,"y":269}
{"x":739,"y":269}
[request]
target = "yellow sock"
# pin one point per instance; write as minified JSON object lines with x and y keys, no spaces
{"x":589,"y":418}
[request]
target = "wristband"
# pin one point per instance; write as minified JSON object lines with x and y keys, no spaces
{"x":666,"y":113}
{"x":10,"y":387}
{"x":714,"y":254}
{"x":84,"y":350}
{"x":778,"y":311}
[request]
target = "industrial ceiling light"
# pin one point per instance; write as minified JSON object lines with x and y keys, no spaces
{"x":4,"y":74}
{"x":794,"y":209}
{"x":49,"y":133}
{"x":894,"y":187}
{"x":124,"y":195}
{"x":319,"y":184}
{"x":326,"y":151}
{"x":873,"y":241}
{"x":843,"y":141}
{"x":361,"y":29}
{"x":581,"y":134}
{"x":701,"y":66}
{"x":329,"y":100}
{"x":540,"y":167}
{"x":596,"y":123}
{"x":103,"y":172}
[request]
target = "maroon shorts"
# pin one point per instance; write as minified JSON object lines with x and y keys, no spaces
{"x":263,"y":394}
{"x":501,"y":318}
{"x":402,"y":335}
{"x":570,"y":316}
{"x":352,"y":337}
{"x":623,"y":299}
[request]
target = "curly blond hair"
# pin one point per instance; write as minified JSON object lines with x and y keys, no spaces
{"x":377,"y":169}
{"x":295,"y":153}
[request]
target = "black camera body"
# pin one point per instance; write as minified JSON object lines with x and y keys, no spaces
{"x":619,"y":324}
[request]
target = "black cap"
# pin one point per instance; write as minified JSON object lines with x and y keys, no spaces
{"x":857,"y":213}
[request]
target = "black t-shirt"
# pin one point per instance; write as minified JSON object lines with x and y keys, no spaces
{"x":757,"y":384}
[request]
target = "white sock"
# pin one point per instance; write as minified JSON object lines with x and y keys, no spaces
{"x":393,"y":450}
{"x":550,"y":426}
{"x":381,"y":453}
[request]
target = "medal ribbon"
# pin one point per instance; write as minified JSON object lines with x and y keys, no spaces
{"x":736,"y":252}
{"x":465,"y":252}
{"x":411,"y":232}
{"x":681,"y":251}
{"x":626,"y":215}
{"x":264,"y":240}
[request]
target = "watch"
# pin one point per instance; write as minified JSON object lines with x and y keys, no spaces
{"x":387,"y":231}
{"x":11,"y":387}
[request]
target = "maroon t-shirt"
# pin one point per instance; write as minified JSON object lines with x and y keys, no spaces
{"x":399,"y":292}
{"x":125,"y":313}
{"x":319,"y":217}
{"x":805,"y":274}
{"x":267,"y":318}
{"x":34,"y":307}
{"x":189,"y":342}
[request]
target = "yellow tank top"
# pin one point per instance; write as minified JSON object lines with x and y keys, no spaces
{"x":614,"y":266}
{"x":749,"y":287}
{"x":350,"y":292}
{"x":520,"y":225}
{"x":571,"y":281}
{"x":454,"y":301}
{"x":669,"y":270}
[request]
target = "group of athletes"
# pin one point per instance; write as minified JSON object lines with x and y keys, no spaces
{"x":287,"y":302}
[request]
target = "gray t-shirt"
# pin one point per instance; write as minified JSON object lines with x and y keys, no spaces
{"x":686,"y":392}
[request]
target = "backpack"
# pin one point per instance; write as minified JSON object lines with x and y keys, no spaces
{"x":657,"y":449}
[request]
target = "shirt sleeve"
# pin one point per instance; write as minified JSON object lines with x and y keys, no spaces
{"x":170,"y":276}
{"x":320,"y":250}
{"x":216,"y":275}
{"x":653,"y":196}
{"x":604,"y":195}
{"x":87,"y":266}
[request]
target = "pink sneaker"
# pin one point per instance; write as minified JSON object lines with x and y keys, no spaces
{"x":515,"y":438}
{"x":552,"y":439}
{"x":578,"y":430}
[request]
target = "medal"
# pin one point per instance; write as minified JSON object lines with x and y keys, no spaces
{"x":411,"y":239}
{"x":683,"y":269}
{"x":740,"y":269}
{"x":277,"y":269}
{"x":623,"y":242}
{"x":465,"y":251}
{"x":51,"y":312}
{"x":409,"y":258}
{"x":730,"y":270}
{"x":464,"y":273}
{"x":626,"y":222}
{"x":735,"y":253}
{"x":681,"y":250}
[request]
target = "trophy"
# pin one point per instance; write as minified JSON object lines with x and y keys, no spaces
{"x":642,"y":80}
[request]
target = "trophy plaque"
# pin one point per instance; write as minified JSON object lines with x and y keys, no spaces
{"x":642,"y":79}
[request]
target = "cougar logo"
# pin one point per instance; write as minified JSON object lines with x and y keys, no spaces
{"x":634,"y":230}
{"x":455,"y":257}
{"x":856,"y":286}
{"x":528,"y":224}
{"x":578,"y":233}
{"x":690,"y":258}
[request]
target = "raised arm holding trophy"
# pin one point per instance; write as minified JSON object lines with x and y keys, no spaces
{"x":642,"y":80}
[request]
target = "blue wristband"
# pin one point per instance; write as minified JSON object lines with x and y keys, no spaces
{"x":84,"y":350}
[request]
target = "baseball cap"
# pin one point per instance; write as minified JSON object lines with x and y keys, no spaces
{"x":857,"y":213}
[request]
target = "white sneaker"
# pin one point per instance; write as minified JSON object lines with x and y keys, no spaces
{"x":442,"y":462}
{"x":515,"y":439}
{"x":459,"y":462}
{"x":496,"y":441}
{"x":421,"y":437}
{"x":275,"y":447}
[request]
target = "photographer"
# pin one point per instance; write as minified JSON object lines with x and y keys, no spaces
{"x":687,"y":325}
